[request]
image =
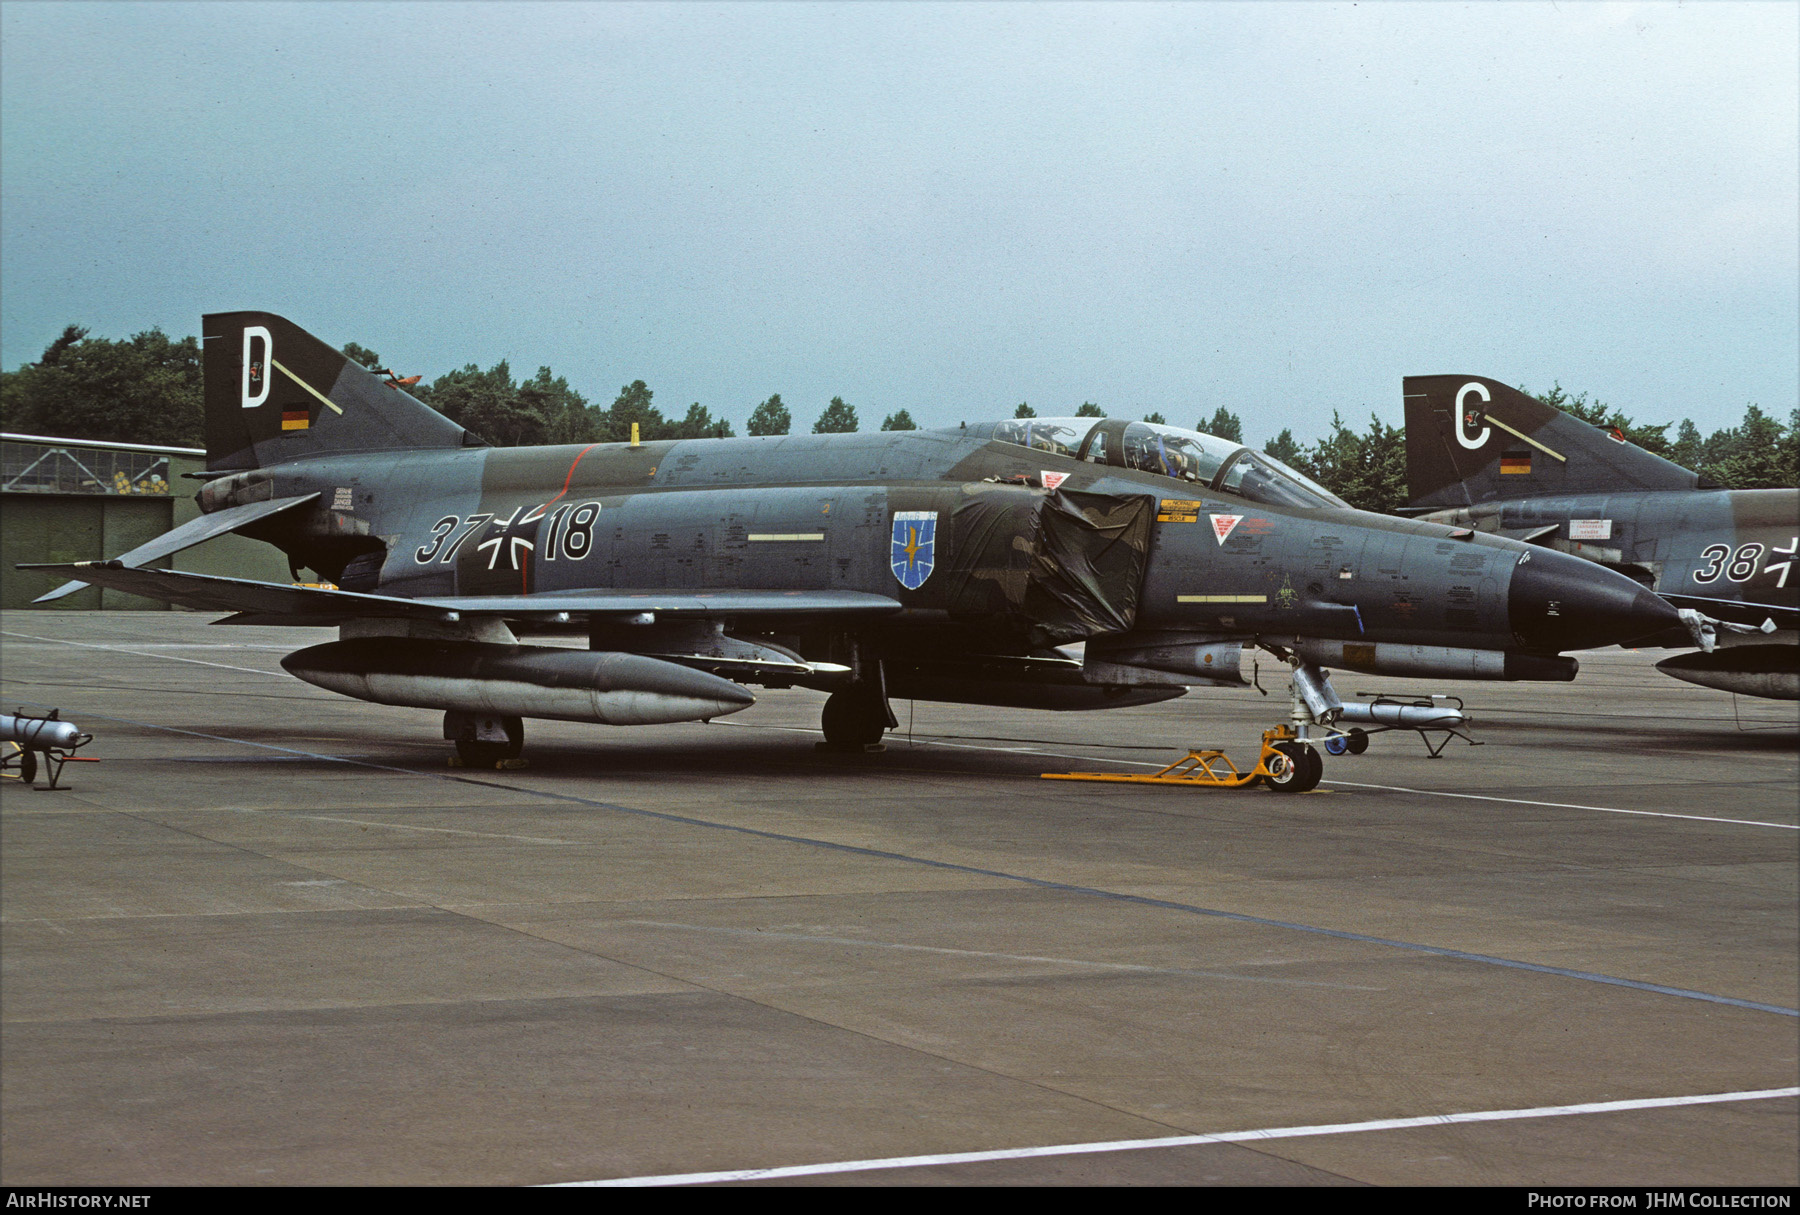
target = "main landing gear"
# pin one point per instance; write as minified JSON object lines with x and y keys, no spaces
{"x":484,"y":741}
{"x":856,"y":715}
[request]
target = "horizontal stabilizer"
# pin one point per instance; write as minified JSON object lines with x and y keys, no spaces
{"x":194,"y":531}
{"x":208,"y":593}
{"x":301,"y":604}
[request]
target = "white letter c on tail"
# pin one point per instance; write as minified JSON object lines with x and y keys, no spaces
{"x":1472,"y":442}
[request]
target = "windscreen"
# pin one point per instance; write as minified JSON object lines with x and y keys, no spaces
{"x":1262,"y":478}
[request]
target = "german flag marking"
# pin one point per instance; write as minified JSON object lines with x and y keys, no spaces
{"x":295,"y":419}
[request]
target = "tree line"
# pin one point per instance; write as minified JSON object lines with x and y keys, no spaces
{"x":147,"y":389}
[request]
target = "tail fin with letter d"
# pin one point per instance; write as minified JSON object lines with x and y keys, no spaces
{"x":1471,"y":440}
{"x":274,"y":392}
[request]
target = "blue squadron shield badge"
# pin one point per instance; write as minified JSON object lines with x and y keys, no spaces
{"x":914,"y":532}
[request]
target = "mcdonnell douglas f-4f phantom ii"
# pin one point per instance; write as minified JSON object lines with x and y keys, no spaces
{"x":1485,"y":456}
{"x":932,"y":565}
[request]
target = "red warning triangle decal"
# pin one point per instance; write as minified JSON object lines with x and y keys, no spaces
{"x":1222,"y":525}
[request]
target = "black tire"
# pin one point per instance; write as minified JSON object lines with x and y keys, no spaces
{"x":1284,"y":769}
{"x":853,"y":718}
{"x":480,"y":754}
{"x":28,"y":766}
{"x":1301,"y":768}
{"x":1359,"y":740}
{"x":1337,"y":744}
{"x":1317,"y":765}
{"x":475,"y":754}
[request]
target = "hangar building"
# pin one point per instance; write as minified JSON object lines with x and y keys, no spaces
{"x":82,"y":500}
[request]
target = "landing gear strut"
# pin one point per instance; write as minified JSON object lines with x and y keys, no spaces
{"x":1313,"y":701}
{"x":485,"y":742}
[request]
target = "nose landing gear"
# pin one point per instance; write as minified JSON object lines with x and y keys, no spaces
{"x":1299,"y":771}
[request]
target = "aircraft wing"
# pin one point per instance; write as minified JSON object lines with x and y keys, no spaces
{"x":193,"y":532}
{"x":277,"y":603}
{"x":720,"y":602}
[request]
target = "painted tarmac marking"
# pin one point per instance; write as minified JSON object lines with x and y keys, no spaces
{"x":1348,"y":784}
{"x":1134,"y":1145}
{"x":118,"y":649}
{"x":1519,"y":801}
{"x":857,"y":943}
{"x":1516,"y":801}
{"x":357,"y":822}
{"x":1137,"y":900}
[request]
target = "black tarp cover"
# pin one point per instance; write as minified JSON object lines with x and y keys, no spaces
{"x":1062,"y":566}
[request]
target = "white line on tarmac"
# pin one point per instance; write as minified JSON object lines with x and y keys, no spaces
{"x":857,"y":943}
{"x":1519,"y":801}
{"x":357,"y":822}
{"x":1348,"y":784}
{"x":1132,"y":1145}
{"x":1739,"y":822}
{"x":119,"y":649}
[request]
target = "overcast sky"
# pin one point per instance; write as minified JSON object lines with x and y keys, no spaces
{"x":1282,"y":209}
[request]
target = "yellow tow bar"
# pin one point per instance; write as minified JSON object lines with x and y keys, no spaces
{"x":1212,"y":769}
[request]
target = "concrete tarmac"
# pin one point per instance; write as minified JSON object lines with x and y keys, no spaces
{"x":273,"y":939}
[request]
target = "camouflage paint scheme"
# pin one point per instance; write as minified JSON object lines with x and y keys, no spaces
{"x":779,"y":559}
{"x":1485,"y":456}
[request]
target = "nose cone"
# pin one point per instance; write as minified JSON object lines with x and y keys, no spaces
{"x":1558,"y":602}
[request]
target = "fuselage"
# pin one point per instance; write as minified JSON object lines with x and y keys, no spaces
{"x":1730,"y":553}
{"x":809,"y":512}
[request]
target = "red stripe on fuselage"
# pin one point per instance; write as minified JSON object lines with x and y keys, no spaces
{"x":525,"y":570}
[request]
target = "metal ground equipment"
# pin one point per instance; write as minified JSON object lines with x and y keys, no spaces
{"x":1286,"y":764}
{"x":1423,"y":713}
{"x":56,"y":740}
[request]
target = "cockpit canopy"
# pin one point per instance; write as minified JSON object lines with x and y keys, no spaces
{"x":1186,"y":455}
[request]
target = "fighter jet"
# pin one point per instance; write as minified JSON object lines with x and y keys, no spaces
{"x":951,"y":564}
{"x":1484,"y":456}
